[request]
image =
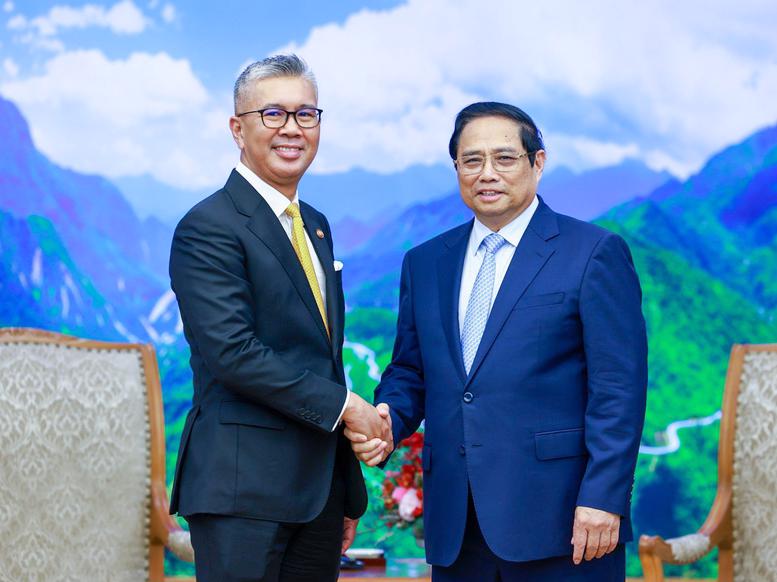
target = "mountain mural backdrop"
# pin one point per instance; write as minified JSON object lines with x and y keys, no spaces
{"x":76,"y":257}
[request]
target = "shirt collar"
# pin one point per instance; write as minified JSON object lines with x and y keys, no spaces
{"x":277,"y":201}
{"x":512,"y":232}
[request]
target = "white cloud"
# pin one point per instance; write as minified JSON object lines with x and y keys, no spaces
{"x":577,"y":151}
{"x":17,"y":22}
{"x":659,"y":160}
{"x":10,"y":67}
{"x":680,"y":81}
{"x":124,"y":17}
{"x":148,"y":113}
{"x":168,"y":13}
{"x":49,"y":44}
{"x":658,"y":81}
{"x":8,"y":6}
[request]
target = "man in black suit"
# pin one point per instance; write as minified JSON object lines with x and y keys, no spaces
{"x":265,"y":478}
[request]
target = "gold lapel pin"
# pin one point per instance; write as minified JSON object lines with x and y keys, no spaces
{"x":319,"y":233}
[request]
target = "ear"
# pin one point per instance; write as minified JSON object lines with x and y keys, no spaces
{"x":539,"y":164}
{"x":236,"y":127}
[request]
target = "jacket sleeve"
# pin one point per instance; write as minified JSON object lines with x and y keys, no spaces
{"x":214,"y":295}
{"x":402,"y":384}
{"x":615,"y":344}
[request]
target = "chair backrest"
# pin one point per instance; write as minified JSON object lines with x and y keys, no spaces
{"x":75,"y":460}
{"x":754,"y":503}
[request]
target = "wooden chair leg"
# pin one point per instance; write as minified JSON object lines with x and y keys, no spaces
{"x":156,"y":563}
{"x":725,"y":565}
{"x":652,"y":567}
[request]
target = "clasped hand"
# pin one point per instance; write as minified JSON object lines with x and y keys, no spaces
{"x":369,"y":429}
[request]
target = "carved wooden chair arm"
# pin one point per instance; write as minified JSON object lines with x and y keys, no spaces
{"x":165,"y":530}
{"x":179,"y":542}
{"x":654,"y":551}
{"x":682,"y":550}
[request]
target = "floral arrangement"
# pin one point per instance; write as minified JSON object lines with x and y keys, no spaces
{"x":403,"y":498}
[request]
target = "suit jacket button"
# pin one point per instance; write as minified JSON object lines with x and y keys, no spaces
{"x":468,"y":397}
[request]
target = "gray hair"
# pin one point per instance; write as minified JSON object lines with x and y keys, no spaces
{"x":269,"y":68}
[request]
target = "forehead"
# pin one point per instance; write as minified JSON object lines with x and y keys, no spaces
{"x":290,"y":92}
{"x":490,"y":132}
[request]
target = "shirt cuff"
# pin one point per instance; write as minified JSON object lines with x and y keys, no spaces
{"x":345,"y":405}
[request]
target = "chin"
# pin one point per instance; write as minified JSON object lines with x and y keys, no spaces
{"x":291,"y":170}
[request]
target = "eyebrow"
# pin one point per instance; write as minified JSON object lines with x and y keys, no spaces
{"x":501,"y":150}
{"x":279,"y":106}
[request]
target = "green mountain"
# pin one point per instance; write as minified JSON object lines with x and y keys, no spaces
{"x":723,"y":220}
{"x":75,"y":258}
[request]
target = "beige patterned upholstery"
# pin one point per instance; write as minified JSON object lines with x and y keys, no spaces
{"x":76,"y":461}
{"x":755,"y":471}
{"x":742,"y":522}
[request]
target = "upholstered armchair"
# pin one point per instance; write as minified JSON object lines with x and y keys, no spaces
{"x":82,"y":461}
{"x":742,"y":522}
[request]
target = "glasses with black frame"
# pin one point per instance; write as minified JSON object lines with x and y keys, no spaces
{"x":502,"y":162}
{"x":275,"y":117}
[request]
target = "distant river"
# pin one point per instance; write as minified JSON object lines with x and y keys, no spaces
{"x":367,"y":356}
{"x":673,"y":439}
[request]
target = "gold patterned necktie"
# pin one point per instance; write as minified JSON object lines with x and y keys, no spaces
{"x":300,"y":245}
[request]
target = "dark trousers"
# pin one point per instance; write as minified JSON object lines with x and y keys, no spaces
{"x":236,"y":549}
{"x":476,"y":561}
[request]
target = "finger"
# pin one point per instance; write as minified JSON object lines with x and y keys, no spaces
{"x":345,"y":545}
{"x":375,"y":457}
{"x":367,"y":447}
{"x":349,"y":533}
{"x":368,"y":453}
{"x":375,"y":461}
{"x":604,"y":544}
{"x":383,"y":410}
{"x":354,"y":436}
{"x":614,"y":538}
{"x":592,"y":545}
{"x":579,"y":536}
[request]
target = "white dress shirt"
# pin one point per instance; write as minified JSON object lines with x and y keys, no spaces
{"x":512,"y":233}
{"x":278,"y":204}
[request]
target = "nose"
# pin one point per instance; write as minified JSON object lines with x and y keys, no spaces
{"x":488,"y":174}
{"x":290,"y":127}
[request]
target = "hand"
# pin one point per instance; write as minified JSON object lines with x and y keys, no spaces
{"x":349,"y":532}
{"x":362,"y":418}
{"x":594,"y":534}
{"x":373,"y":452}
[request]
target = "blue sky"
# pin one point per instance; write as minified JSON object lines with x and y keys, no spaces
{"x":134,"y":87}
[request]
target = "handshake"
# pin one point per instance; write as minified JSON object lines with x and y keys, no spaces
{"x":369,"y":429}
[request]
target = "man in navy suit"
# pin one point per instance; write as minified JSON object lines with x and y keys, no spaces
{"x":270,"y":488}
{"x":521,"y":342}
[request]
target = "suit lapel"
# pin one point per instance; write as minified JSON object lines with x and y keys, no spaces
{"x":532,"y":253}
{"x":313,"y":225}
{"x":265,"y":226}
{"x":449,"y":268}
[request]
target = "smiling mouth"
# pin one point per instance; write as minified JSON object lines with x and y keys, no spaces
{"x":489,"y":195}
{"x":288,"y":152}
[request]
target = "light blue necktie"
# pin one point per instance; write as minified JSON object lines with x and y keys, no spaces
{"x":479,"y":304}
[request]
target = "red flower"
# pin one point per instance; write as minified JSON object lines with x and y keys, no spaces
{"x":409,"y":476}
